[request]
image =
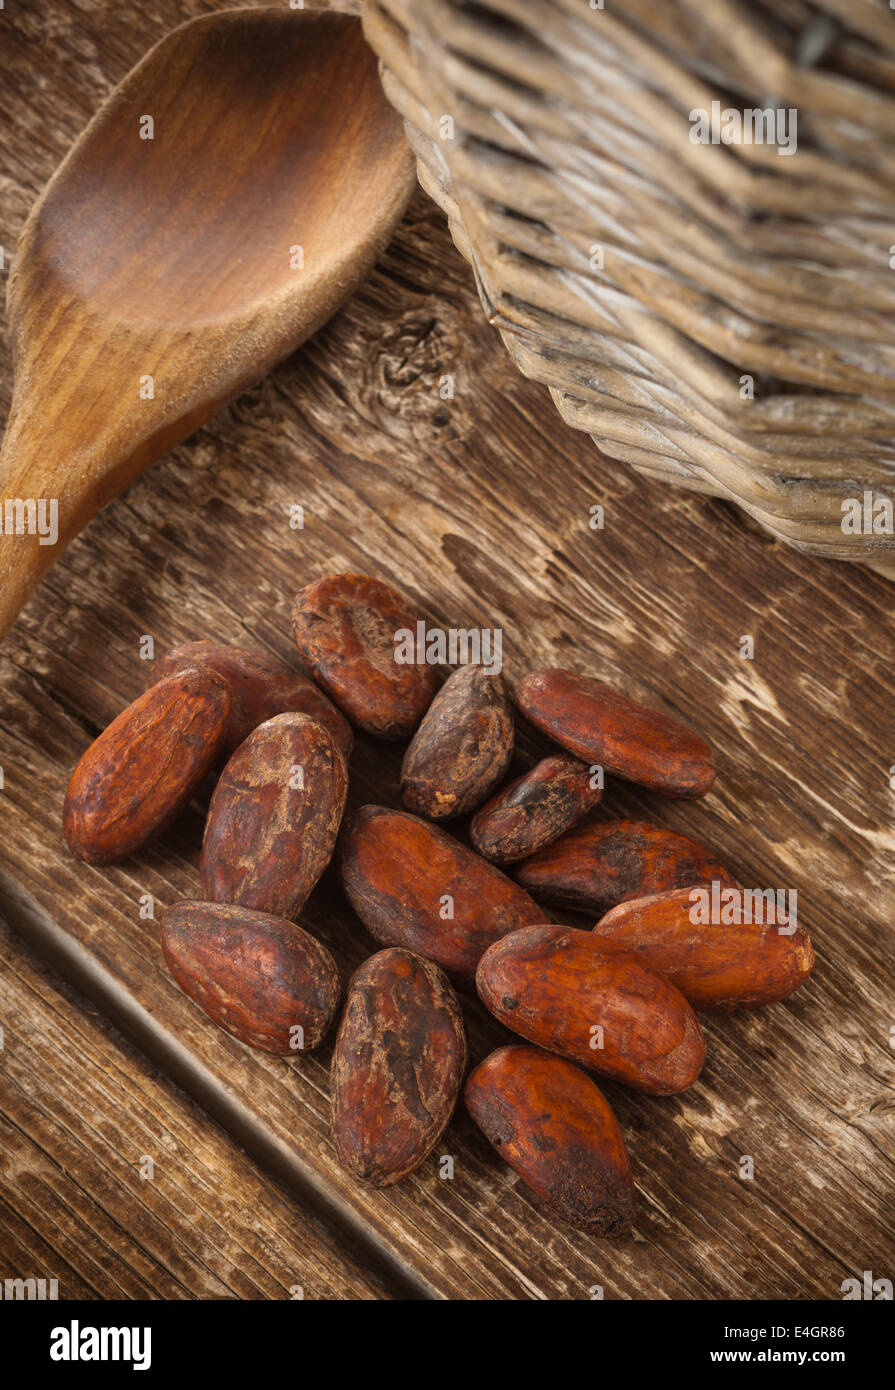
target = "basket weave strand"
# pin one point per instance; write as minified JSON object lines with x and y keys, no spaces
{"x":717,"y":315}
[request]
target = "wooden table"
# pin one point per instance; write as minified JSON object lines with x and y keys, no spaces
{"x":478,"y":508}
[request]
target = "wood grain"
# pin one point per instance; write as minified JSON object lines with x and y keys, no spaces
{"x":478,"y":508}
{"x":81,"y":1111}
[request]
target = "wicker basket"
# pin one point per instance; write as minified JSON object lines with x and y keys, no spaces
{"x":718,"y":315}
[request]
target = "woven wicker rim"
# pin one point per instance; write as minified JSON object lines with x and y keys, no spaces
{"x":719,"y":263}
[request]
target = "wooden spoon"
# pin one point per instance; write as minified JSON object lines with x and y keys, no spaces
{"x":156,"y":278}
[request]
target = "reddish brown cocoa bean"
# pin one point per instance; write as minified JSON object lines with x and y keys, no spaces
{"x":397,"y":1067}
{"x":534,"y":810}
{"x":462,"y":748}
{"x":274,"y":817}
{"x":558,"y":987}
{"x":345,"y":627}
{"x":260,"y":687}
{"x":414,"y":885}
{"x":145,"y":767}
{"x":261,"y":978}
{"x":735,"y":964}
{"x":554,"y":1126}
{"x":599,"y":725}
{"x":596,"y":866}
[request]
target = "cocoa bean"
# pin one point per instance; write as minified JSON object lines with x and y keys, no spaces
{"x":600,"y":726}
{"x":534,"y":810}
{"x":596,"y":866}
{"x":728,"y":965}
{"x":397,"y":1067}
{"x":414,"y":885}
{"x":554,"y":1126}
{"x":274,"y":817}
{"x":136,"y":778}
{"x":259,"y":977}
{"x":462,"y":748}
{"x":345,"y":627}
{"x":592,"y":1001}
{"x":261,"y":686}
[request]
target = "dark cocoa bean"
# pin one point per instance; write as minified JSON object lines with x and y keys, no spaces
{"x":730,"y":964}
{"x":554,"y":1126}
{"x":259,"y":977}
{"x":462,"y":748}
{"x":534,"y":810}
{"x":274,"y":817}
{"x":345,"y":627}
{"x":590,"y":1000}
{"x":596,"y":866}
{"x":414,"y":885}
{"x":397,"y":1067}
{"x":261,"y":686}
{"x":599,"y":725}
{"x":142,"y":771}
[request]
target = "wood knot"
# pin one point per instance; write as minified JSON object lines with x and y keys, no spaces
{"x":417,"y":372}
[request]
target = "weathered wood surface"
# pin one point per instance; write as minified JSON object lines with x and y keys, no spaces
{"x":80,"y":1114}
{"x":478,"y":508}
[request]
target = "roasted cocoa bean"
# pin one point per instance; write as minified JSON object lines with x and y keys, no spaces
{"x":261,"y":686}
{"x":345,"y":627}
{"x":596,"y":866}
{"x":604,"y":1007}
{"x":414,"y":885}
{"x":398,"y":1066}
{"x":600,"y":726}
{"x":274,"y":817}
{"x":534,"y":810}
{"x":462,"y":748}
{"x":145,"y":767}
{"x":554,"y":1126}
{"x":730,"y":964}
{"x":259,"y":977}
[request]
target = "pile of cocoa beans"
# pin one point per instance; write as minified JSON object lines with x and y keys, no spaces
{"x":617,"y":1000}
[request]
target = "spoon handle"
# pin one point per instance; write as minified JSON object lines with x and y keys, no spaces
{"x":30,"y":518}
{"x":59,"y":467}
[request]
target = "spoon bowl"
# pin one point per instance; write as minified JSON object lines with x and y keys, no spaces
{"x":228,"y":197}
